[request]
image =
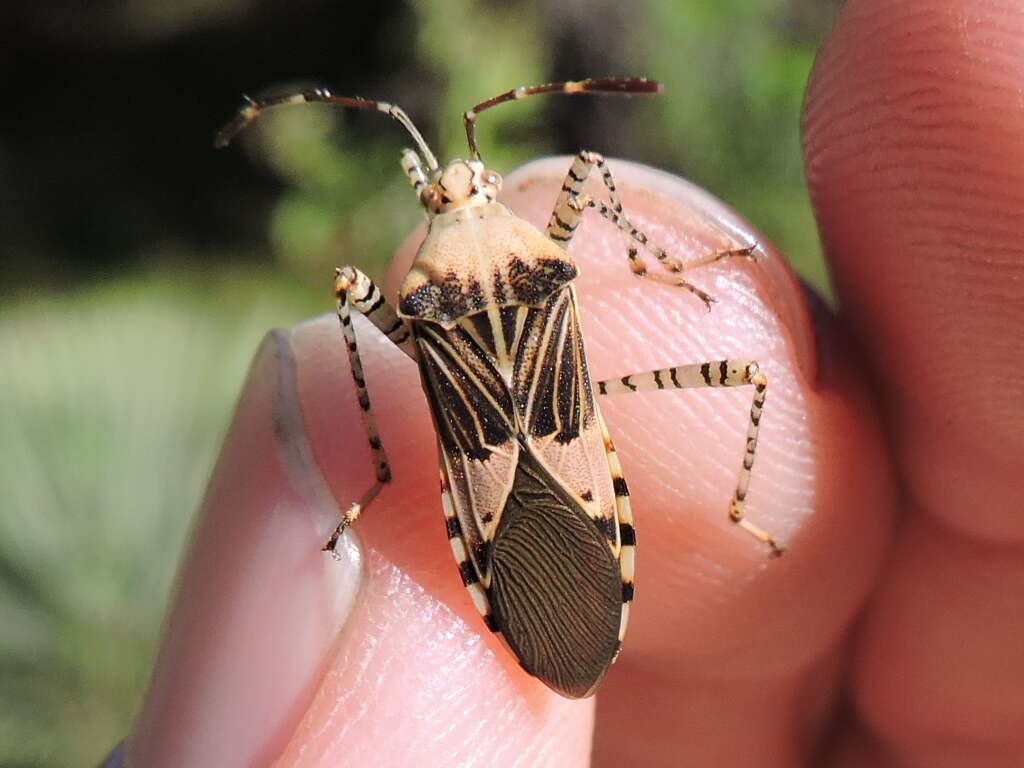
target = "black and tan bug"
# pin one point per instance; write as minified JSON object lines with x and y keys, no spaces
{"x":536,"y":507}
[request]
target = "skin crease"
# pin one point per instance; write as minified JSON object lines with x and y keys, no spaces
{"x":889,"y":634}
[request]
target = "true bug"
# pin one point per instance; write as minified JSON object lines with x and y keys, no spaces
{"x":536,"y":508}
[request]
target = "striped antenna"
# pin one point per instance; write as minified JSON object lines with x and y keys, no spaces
{"x":593,"y":85}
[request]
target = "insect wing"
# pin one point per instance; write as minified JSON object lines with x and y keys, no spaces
{"x":528,"y":492}
{"x":475,"y":423}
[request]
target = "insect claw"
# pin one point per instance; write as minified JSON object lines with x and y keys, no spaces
{"x":746,"y":252}
{"x":332,"y":543}
{"x":707,"y":298}
{"x":580,"y":203}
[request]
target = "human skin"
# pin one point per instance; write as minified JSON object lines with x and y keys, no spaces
{"x":890,"y":633}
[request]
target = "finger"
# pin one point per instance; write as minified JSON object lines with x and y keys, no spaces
{"x":415,"y":678}
{"x":912,"y":132}
{"x":248,"y":672}
{"x":257,"y":605}
{"x":747,"y":642}
{"x":913,"y":143}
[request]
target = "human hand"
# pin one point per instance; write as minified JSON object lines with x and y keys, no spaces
{"x":867,"y":643}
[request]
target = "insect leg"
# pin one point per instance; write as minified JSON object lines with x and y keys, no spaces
{"x":366,"y":298}
{"x":670,"y":263}
{"x":566,"y":216}
{"x":719,"y":373}
{"x":571,"y":204}
{"x":354,"y":289}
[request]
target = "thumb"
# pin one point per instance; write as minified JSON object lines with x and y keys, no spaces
{"x":274,"y":652}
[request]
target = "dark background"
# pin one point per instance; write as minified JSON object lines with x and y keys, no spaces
{"x":140,"y":267}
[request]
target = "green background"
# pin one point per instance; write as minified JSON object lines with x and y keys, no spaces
{"x":140,"y":268}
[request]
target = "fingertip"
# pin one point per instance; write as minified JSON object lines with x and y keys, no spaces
{"x":256,"y":605}
{"x":715,"y":615}
{"x":416,"y":656}
{"x":413,"y":682}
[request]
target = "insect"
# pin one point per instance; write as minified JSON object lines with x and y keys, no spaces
{"x":536,"y":508}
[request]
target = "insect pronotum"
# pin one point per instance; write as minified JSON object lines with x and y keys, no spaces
{"x":536,"y":508}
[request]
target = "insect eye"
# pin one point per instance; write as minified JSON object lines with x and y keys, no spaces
{"x":429,"y":197}
{"x":492,"y":178}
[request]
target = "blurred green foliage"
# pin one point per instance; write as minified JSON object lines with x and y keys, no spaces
{"x":114,"y":395}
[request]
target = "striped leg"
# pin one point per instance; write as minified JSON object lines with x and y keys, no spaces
{"x":720,"y":373}
{"x":671,"y":264}
{"x":566,"y":216}
{"x":571,"y":204}
{"x":363,"y":295}
{"x":354,"y":289}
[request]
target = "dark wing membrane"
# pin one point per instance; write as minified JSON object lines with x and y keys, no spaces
{"x":556,"y":589}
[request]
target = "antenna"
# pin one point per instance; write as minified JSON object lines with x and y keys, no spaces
{"x":252,"y":108}
{"x":595,"y":85}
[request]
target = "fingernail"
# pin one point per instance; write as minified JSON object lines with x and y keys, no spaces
{"x":257,"y":604}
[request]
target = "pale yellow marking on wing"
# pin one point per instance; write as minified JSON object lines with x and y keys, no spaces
{"x":623,"y":621}
{"x":541,"y":347}
{"x":470,"y":329}
{"x":520,"y":324}
{"x":627,"y":562}
{"x":446,"y":503}
{"x":502,"y":359}
{"x":483,"y":605}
